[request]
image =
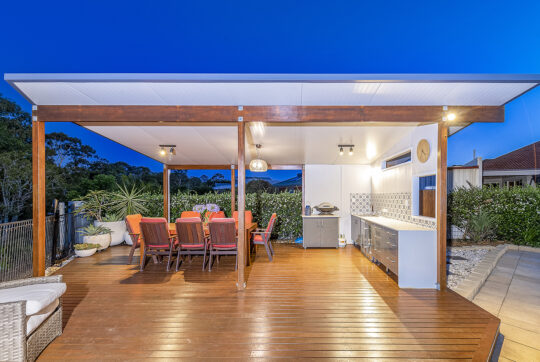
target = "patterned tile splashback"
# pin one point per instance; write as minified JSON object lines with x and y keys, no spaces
{"x":360,"y":203}
{"x":392,"y":205}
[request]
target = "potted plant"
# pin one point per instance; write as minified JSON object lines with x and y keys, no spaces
{"x":116,"y":224}
{"x":97,"y":235}
{"x":127,"y":201}
{"x":83,"y":250}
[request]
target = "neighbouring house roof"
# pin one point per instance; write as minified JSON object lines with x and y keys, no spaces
{"x":292,"y":182}
{"x":525,"y":158}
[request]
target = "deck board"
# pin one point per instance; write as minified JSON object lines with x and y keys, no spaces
{"x":328,"y":303}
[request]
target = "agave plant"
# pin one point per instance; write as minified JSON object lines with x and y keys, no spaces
{"x":92,"y":230}
{"x":128,"y":200}
{"x":480,"y":226}
{"x":94,"y":205}
{"x":112,"y":217}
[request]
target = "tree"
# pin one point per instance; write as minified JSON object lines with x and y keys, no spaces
{"x":15,"y":128}
{"x":15,"y":184}
{"x":64,"y":150}
{"x":258,"y":186}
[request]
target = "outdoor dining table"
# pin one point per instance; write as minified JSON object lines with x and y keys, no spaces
{"x":248,"y":230}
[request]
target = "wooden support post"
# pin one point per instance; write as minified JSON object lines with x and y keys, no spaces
{"x":442,"y":144}
{"x":38,"y":206}
{"x":166,"y":193}
{"x":233,"y":189}
{"x":241,"y":281}
{"x":303,"y":189}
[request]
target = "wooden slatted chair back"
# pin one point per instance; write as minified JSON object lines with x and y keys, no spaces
{"x":155,"y":230}
{"x":222,"y":231}
{"x":190,"y":231}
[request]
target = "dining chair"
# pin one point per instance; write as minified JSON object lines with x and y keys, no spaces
{"x":134,"y":230}
{"x":191,"y":239}
{"x":217,"y":215}
{"x":185,"y":214}
{"x":157,"y":240}
{"x":223,"y":239}
{"x":247,"y":215}
{"x":262,"y":236}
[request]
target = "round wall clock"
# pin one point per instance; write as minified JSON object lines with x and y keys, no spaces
{"x":422,"y":150}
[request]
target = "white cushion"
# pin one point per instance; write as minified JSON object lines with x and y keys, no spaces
{"x":37,"y":296}
{"x":35,"y":320}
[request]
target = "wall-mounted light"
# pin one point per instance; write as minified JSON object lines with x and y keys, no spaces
{"x":350,"y":147}
{"x":448,"y":116}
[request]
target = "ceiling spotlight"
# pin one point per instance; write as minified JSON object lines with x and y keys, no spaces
{"x":451,"y":116}
{"x":341,"y":147}
{"x":163,"y":150}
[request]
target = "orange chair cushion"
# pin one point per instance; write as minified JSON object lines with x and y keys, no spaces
{"x":224,"y":246}
{"x":134,"y":223}
{"x":258,"y":238}
{"x":192,"y":246}
{"x":185,"y":214}
{"x":248,"y":216}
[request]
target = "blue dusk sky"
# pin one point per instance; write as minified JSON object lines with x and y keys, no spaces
{"x":281,"y":37}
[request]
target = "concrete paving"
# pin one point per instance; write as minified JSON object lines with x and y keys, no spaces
{"x":512,"y":293}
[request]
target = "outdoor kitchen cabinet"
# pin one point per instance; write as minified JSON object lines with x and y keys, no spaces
{"x":321,"y":231}
{"x":407,"y":250}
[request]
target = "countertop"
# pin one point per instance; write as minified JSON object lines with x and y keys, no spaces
{"x":393,"y":223}
{"x":319,"y":215}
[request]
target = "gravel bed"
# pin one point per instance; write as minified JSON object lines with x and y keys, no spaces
{"x":462,"y":260}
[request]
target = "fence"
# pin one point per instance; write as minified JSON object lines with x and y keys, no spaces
{"x":16,"y":243}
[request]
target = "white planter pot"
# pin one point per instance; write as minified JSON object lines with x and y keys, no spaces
{"x":85,"y":253}
{"x":103,"y":240}
{"x":127,"y":238}
{"x":118,"y":228}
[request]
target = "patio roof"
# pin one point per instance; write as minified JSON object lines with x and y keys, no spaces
{"x":273,"y":89}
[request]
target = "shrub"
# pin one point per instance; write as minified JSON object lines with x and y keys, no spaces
{"x":287,"y":206}
{"x":515,"y":212}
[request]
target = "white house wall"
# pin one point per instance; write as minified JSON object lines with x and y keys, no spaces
{"x":334,"y":184}
{"x":395,"y":190}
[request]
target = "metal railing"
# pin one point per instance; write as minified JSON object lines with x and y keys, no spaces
{"x":16,"y":243}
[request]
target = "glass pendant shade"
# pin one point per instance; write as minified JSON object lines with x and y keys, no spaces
{"x":258,"y":165}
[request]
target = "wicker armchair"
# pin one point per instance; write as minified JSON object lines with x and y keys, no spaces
{"x":15,"y":345}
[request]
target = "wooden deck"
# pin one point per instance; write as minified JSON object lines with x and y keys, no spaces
{"x":317,"y":303}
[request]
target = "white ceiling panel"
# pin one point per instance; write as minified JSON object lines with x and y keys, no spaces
{"x":52,"y":94}
{"x":280,"y":145}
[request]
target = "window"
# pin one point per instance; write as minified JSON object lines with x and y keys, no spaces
{"x":427,"y":194}
{"x":515,"y":183}
{"x":398,"y":160}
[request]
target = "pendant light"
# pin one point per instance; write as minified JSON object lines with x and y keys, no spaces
{"x":258,"y":165}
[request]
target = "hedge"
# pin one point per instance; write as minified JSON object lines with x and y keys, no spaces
{"x":287,"y":206}
{"x":515,"y":211}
